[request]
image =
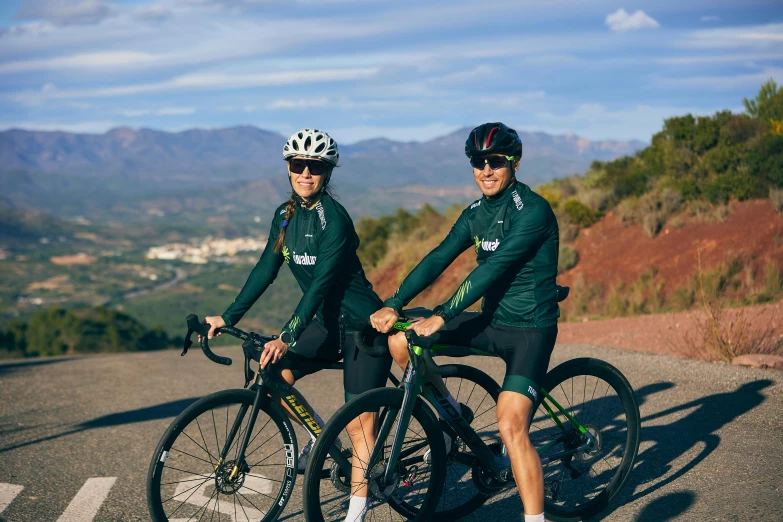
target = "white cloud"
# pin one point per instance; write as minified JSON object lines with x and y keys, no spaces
{"x":301,"y":103}
{"x":353,"y":134}
{"x":723,"y":83}
{"x":98,"y":60}
{"x":621,"y":21}
{"x":166,"y":111}
{"x":201,"y":82}
{"x":152,"y":13}
{"x":718,"y":58}
{"x":91,"y":127}
{"x":709,"y":18}
{"x":67,"y":12}
{"x":766,"y":36}
{"x":595,"y":121}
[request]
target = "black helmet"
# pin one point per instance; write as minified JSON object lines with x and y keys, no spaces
{"x":493,"y":138}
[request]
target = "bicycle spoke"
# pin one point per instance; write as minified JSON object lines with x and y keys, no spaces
{"x":205,"y":442}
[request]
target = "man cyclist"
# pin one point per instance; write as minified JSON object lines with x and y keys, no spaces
{"x":314,"y":235}
{"x":516,"y":238}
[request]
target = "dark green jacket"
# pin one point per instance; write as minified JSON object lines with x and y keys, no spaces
{"x":320,"y":249}
{"x":516,"y":238}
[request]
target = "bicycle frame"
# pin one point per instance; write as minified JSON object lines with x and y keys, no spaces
{"x":415,"y":382}
{"x":297,"y":404}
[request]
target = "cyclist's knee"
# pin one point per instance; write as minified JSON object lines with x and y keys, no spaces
{"x":514,"y":418}
{"x":398,"y":347}
{"x":360,"y":425}
{"x":288,"y":376}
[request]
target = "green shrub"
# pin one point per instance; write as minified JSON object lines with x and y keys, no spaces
{"x":652,"y":224}
{"x":776,"y":197}
{"x":567,"y":258}
{"x":580,"y":213}
{"x":772,"y":278}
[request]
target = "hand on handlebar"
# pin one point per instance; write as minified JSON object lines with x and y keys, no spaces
{"x":274,"y":350}
{"x":429,"y":326}
{"x":214,"y":322}
{"x":384,"y":319}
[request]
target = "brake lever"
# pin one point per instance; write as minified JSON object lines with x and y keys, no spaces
{"x":188,"y":342}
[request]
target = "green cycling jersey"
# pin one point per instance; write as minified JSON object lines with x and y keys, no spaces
{"x":516,"y":239}
{"x":320,"y":249}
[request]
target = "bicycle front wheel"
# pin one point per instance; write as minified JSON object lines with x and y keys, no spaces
{"x":417,"y":479}
{"x":194,"y":473}
{"x":579,"y":484}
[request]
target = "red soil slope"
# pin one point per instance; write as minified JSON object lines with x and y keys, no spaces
{"x":610,"y":253}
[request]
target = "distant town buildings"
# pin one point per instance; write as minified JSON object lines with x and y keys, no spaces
{"x":210,"y":249}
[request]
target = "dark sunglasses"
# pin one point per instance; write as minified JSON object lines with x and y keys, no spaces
{"x":494,"y":162}
{"x":317,"y":168}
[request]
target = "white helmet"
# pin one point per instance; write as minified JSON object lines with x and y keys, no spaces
{"x":311,"y":143}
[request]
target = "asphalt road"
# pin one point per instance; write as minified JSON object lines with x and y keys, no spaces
{"x":77,"y":434}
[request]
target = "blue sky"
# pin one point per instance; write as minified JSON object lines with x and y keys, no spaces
{"x":407,"y":70}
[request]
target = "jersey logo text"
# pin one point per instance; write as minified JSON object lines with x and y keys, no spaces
{"x":304,"y":259}
{"x":517,"y":200}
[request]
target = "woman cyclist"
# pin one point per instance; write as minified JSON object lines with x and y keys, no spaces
{"x":314,"y":235}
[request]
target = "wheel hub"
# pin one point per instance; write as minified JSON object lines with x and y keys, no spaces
{"x":226,"y":481}
{"x":591,"y":453}
{"x":378,"y":489}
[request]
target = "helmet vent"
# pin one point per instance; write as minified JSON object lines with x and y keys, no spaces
{"x":307,"y":143}
{"x":320,"y":148}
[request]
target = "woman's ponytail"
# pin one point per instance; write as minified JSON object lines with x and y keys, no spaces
{"x":289,"y":212}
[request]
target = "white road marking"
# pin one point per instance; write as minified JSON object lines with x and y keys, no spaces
{"x":251,"y":486}
{"x":88,"y":500}
{"x":8,"y":493}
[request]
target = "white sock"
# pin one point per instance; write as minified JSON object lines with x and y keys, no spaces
{"x":535,"y":518}
{"x":357,"y":509}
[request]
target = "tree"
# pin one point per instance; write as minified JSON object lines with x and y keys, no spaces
{"x":768,"y":104}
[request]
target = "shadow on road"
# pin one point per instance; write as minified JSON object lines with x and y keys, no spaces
{"x":7,"y":368}
{"x":160,"y":411}
{"x":667,"y":507}
{"x":666,"y":453}
{"x":670,"y":442}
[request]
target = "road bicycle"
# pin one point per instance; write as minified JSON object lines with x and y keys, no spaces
{"x":586,"y":428}
{"x":233,"y":455}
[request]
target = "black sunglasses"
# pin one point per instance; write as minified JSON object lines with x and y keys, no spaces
{"x":317,"y":168}
{"x":494,"y":162}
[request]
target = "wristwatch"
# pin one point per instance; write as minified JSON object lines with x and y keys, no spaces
{"x":439,"y":311}
{"x":287,"y":337}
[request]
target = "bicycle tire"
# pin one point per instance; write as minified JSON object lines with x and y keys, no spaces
{"x":557,"y":382}
{"x":378,"y":400}
{"x":460,"y":497}
{"x":275,"y":484}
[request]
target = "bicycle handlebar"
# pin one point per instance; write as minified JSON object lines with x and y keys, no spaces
{"x":194,"y":325}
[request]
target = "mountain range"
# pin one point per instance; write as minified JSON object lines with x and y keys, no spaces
{"x":66,"y":173}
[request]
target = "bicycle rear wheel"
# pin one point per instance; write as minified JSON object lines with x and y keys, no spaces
{"x":478,"y":391}
{"x":417,"y":483}
{"x":600,"y":398}
{"x":187,"y":479}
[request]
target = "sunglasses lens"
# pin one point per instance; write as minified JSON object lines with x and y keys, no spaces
{"x":297,"y":166}
{"x":495,"y":162}
{"x":316,"y":167}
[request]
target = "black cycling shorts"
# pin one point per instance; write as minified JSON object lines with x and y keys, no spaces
{"x":361,"y":372}
{"x":526,"y":351}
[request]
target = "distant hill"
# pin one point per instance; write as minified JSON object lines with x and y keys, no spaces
{"x":124,"y":170}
